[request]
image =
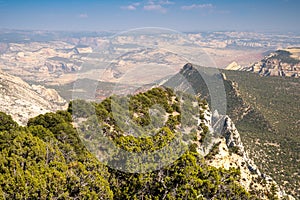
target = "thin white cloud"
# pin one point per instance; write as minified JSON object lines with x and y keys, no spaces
{"x":160,"y":2}
{"x":132,"y":6}
{"x":83,"y":15}
{"x":197,"y":6}
{"x":155,"y":7}
{"x":149,"y":5}
{"x":166,"y":2}
{"x":136,"y":4}
{"x":129,"y":7}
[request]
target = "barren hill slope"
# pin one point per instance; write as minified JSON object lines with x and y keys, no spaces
{"x":24,"y":101}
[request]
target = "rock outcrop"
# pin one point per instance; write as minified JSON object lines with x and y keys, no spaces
{"x":234,"y":66}
{"x":23,"y":101}
{"x":279,"y":63}
{"x":231,"y":153}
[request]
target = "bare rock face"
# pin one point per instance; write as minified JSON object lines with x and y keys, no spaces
{"x":50,"y":94}
{"x":233,"y":66}
{"x":22,"y":101}
{"x":232,"y":154}
{"x":232,"y":136}
{"x":279,"y":63}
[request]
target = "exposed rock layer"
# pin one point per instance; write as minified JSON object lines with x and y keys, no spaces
{"x":23,"y":101}
{"x":279,"y":63}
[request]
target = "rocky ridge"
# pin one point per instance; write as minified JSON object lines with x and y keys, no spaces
{"x":279,"y":63}
{"x":227,"y":151}
{"x":226,"y":148}
{"x":23,"y":101}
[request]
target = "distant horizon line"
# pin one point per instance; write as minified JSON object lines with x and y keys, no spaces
{"x":134,"y":28}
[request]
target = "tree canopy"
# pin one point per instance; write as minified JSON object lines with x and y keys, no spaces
{"x":48,"y":160}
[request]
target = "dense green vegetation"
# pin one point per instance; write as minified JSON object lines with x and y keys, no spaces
{"x":7,"y":122}
{"x":47,"y":160}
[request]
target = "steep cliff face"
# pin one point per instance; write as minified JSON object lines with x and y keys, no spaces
{"x":269,"y":130}
{"x":23,"y":101}
{"x":227,"y":151}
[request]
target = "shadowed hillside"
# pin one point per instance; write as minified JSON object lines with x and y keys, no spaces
{"x":266,"y":113}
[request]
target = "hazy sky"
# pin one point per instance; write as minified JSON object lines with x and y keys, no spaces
{"x":188,"y":15}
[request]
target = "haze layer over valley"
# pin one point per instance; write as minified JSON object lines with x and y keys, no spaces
{"x":55,"y":58}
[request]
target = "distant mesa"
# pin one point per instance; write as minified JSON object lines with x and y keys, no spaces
{"x":285,"y":62}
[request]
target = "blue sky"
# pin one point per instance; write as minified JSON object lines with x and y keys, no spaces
{"x":187,"y":15}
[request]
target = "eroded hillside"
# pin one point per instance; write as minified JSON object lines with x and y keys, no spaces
{"x":24,"y":101}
